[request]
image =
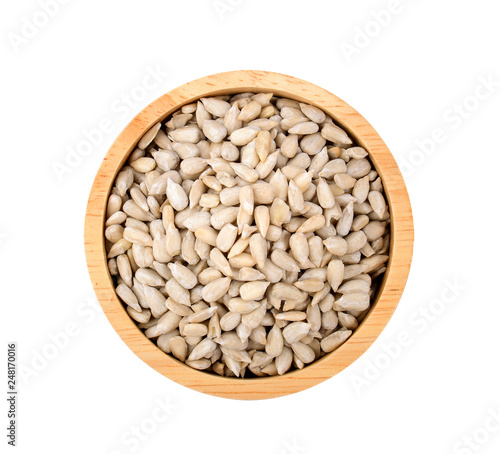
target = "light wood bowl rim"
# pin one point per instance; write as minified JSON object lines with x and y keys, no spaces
{"x":392,"y":285}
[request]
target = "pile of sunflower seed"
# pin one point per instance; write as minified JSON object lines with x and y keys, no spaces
{"x":247,"y":234}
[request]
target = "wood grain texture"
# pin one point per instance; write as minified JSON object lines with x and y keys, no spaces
{"x":389,"y":292}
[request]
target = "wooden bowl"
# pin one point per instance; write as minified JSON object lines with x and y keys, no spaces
{"x":389,"y":292}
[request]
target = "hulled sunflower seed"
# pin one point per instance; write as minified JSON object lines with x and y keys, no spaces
{"x":178,"y":347}
{"x":216,"y":289}
{"x":284,"y":360}
{"x":333,"y":341}
{"x":284,"y":261}
{"x":295,"y":331}
{"x":304,"y":352}
{"x":335,"y":134}
{"x":253,"y":290}
{"x":275,"y":342}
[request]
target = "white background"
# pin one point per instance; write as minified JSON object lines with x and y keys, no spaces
{"x":85,"y":391}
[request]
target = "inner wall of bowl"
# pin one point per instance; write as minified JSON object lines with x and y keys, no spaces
{"x":358,"y":141}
